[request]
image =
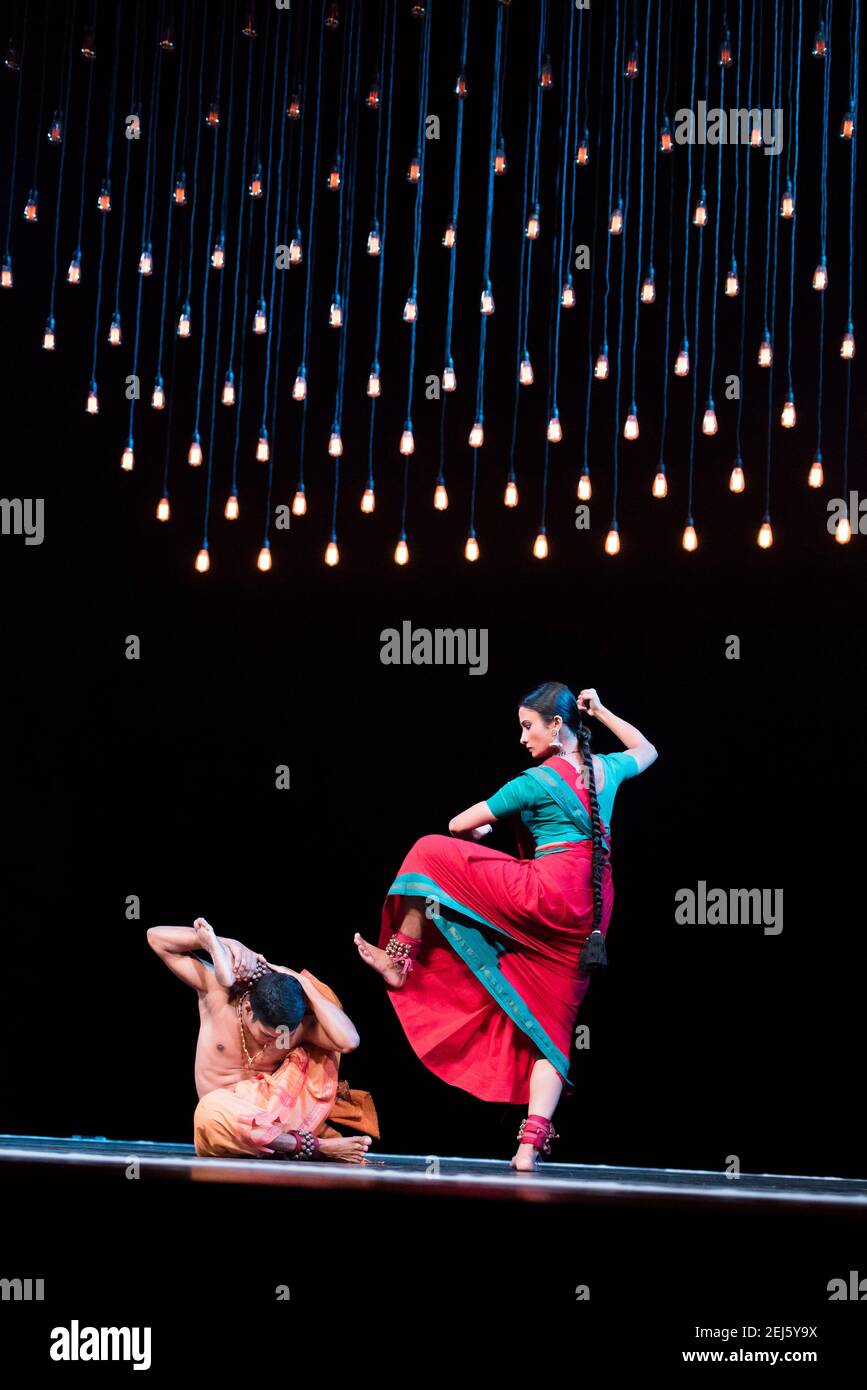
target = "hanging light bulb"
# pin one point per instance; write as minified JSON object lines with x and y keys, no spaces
{"x":471,"y":549}
{"x":55,"y":130}
{"x":410,"y":308}
{"x":820,"y":275}
{"x":843,"y":531}
{"x":167,"y":37}
{"x":299,"y":387}
{"x":500,"y":164}
{"x":296,"y":250}
{"x":755,"y":137}
{"x":787,"y":202}
{"x":232,"y":509}
{"x":13,"y":56}
{"x":374,"y":240}
{"x":31,"y":207}
{"x":450,"y":235}
{"x":487,"y":300}
{"x":228,"y":396}
{"x":7,"y":279}
{"x":533,"y":226}
{"x":615,"y":222}
{"x":374,"y":386}
{"x":332,"y":182}
{"x":510,"y":496}
{"x":665,"y":141}
{"x":254,"y":188}
{"x":407,"y":442}
{"x":477,"y":435}
{"x":630,"y":429}
{"x":600,"y":370}
{"x":816,"y":475}
{"x":820,"y":42}
{"x":218,"y":255}
{"x":73,"y":274}
{"x":631,"y":68}
{"x":766,"y":352}
{"x":546,"y":76}
{"x":184,"y":321}
{"x":648,"y":288}
{"x":847,"y":125}
{"x":417,"y":10}
{"x":203,"y":561}
{"x":461,"y":87}
{"x":690,"y":538}
{"x":158,"y":395}
{"x":725,"y":49}
{"x":450,"y":381}
{"x":413,"y":173}
{"x":765,"y":537}
{"x":299,"y":502}
{"x":699,"y":216}
{"x":127,"y":458}
{"x":194,"y":455}
{"x":582,"y":154}
{"x":681,"y":362}
{"x":789,"y":417}
{"x":567,"y":294}
{"x":335,"y":313}
{"x":555,"y":430}
{"x":847,"y":347}
{"x":115,"y":336}
{"x":103,"y":202}
{"x":260,"y":318}
{"x":263,"y":450}
{"x":263,"y":561}
{"x":441,"y":498}
{"x":612,"y":540}
{"x":401,"y":552}
{"x":335,"y":442}
{"x":88,"y":44}
{"x":525,"y":374}
{"x":332,"y":554}
{"x":180,"y":193}
{"x":92,"y":400}
{"x":368,"y":500}
{"x":585,"y":488}
{"x":732,"y":283}
{"x":146,"y":260}
{"x":737,"y":482}
{"x":164,"y":511}
{"x":374,"y":94}
{"x":540,"y":546}
{"x":332,"y":18}
{"x":48,"y":336}
{"x":660,"y":484}
{"x":212,"y":120}
{"x":709,"y":422}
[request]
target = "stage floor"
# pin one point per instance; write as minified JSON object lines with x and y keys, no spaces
{"x":439,"y":1176}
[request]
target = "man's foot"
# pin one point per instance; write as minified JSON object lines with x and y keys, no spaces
{"x":526,"y":1159}
{"x":350,"y":1149}
{"x":380,"y":962}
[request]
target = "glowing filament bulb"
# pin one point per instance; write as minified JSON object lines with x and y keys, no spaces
{"x":335,"y":443}
{"x":55,"y":130}
{"x":293,"y":111}
{"x":546,"y":76}
{"x":88,"y":44}
{"x":477,"y":435}
{"x":228,"y":396}
{"x":665,"y":140}
{"x":232,"y":509}
{"x":260,"y":318}
{"x":540,"y":546}
{"x":134,"y":126}
{"x":407,"y":442}
{"x":820,"y":43}
{"x":847,"y":126}
{"x":681,"y":362}
{"x":816,"y":475}
{"x":184,"y":322}
{"x":332,"y":18}
{"x":164,"y":511}
{"x":725,"y":50}
{"x":567,"y":295}
{"x":410,"y":309}
{"x":335,"y":313}
{"x":103,"y":202}
{"x":461,"y":88}
{"x":699,"y":216}
{"x":368,"y":500}
{"x":600,"y":371}
{"x":555,"y":430}
{"x":487,"y":301}
{"x":737,"y":482}
{"x":582,"y":154}
{"x":401,"y":552}
{"x":820,"y":276}
{"x":631,"y":68}
{"x":158,"y":396}
{"x":847,"y":347}
{"x":333,"y":181}
{"x":660,"y":485}
{"x":263,"y":451}
{"x":413,"y":173}
{"x":48,"y":336}
{"x":73,"y":274}
{"x":332,"y":554}
{"x":787,"y":202}
{"x":766,"y":352}
{"x":534,"y":225}
{"x":755,"y":137}
{"x":213,"y":117}
{"x":31,"y":207}
{"x":127,"y":461}
{"x":13,"y":56}
{"x":296,"y":250}
{"x":510,"y":496}
{"x":180,"y":193}
{"x":630,"y":429}
{"x":612,"y":542}
{"x":194,"y":455}
{"x":264,"y":559}
{"x":374,"y":240}
{"x":115,"y":336}
{"x":843,"y":531}
{"x":92,"y":400}
{"x":766,"y":536}
{"x":789,"y":416}
{"x":299,"y":503}
{"x":450,"y":381}
{"x":585,"y":488}
{"x":648,"y":288}
{"x":373,"y":95}
{"x":690,"y":539}
{"x":203,"y":561}
{"x":167,"y":41}
{"x":441,"y":498}
{"x":7,"y":279}
{"x":709,"y":422}
{"x":615,"y":222}
{"x":525,"y":375}
{"x":146,"y":260}
{"x":733,"y":286}
{"x":450,"y":235}
{"x":254,"y":188}
{"x":299,"y":386}
{"x":500,"y":163}
{"x":471,"y":549}
{"x":373,"y":382}
{"x":218,"y":255}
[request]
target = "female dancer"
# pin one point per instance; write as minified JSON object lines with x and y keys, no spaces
{"x":503,"y":945}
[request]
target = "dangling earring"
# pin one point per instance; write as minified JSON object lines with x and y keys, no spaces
{"x":555,"y":742}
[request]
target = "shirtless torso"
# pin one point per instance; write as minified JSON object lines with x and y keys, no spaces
{"x":220,"y":1059}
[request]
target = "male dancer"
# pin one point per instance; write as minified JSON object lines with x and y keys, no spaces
{"x":268,"y":1051}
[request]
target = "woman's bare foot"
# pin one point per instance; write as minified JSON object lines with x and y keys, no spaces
{"x":350,"y":1148}
{"x":526,"y":1159}
{"x":380,"y":962}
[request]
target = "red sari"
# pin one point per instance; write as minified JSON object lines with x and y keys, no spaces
{"x":497,"y":982}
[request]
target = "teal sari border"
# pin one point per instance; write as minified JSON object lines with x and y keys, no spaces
{"x":568,"y":801}
{"x":482,"y":956}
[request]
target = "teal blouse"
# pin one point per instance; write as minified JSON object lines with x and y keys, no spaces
{"x":542,"y":816}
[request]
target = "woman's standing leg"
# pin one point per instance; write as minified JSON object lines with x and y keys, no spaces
{"x":546,"y":1087}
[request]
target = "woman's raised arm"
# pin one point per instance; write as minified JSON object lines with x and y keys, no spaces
{"x":633,"y":740}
